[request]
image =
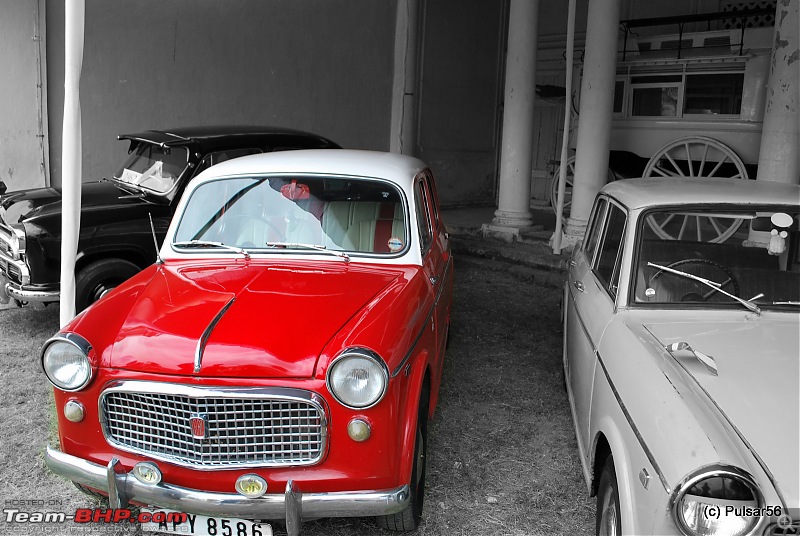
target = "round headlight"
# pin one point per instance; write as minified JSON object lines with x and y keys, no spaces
{"x":717,"y":502}
{"x":358,"y":378}
{"x":66,"y":363}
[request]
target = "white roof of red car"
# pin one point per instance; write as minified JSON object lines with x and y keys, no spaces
{"x":396,"y":168}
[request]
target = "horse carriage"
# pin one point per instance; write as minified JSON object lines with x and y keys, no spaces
{"x":687,"y":104}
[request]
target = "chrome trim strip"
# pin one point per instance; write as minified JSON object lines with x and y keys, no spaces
{"x":255,"y":393}
{"x":201,"y":344}
{"x":271,"y":506}
{"x":635,"y":430}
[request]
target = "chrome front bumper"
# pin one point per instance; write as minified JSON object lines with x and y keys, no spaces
{"x":292,"y":505}
{"x":17,"y":291}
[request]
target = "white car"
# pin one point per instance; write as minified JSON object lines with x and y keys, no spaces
{"x":681,"y":350}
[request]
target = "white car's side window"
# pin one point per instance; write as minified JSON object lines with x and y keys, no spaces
{"x":608,"y":260}
{"x":594,"y":230}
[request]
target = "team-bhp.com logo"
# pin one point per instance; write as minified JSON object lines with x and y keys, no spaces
{"x":94,"y":515}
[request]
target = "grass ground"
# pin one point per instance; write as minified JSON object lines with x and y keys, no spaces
{"x":502,"y":454}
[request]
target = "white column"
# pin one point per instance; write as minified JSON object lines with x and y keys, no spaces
{"x":404,"y":103}
{"x":779,"y":157}
{"x":513,"y":209}
{"x":71,"y":154}
{"x":596,"y":108}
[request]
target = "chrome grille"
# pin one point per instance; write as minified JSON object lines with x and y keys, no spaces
{"x":243,"y":428}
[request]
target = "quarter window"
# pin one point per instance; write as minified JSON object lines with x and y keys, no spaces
{"x":423,"y":217}
{"x":608,"y":259}
{"x":593,"y":233}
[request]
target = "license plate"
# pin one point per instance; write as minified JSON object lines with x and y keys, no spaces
{"x":197,"y":525}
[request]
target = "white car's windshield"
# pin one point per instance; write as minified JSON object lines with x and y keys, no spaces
{"x":719,"y":255}
{"x":153,"y":167}
{"x":277,"y":214}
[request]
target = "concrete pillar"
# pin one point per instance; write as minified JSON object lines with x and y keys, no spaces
{"x":403,"y":136}
{"x":513,"y":209}
{"x":596,"y":108}
{"x":779,"y":157}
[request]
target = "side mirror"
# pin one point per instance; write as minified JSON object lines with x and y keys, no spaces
{"x":3,"y":188}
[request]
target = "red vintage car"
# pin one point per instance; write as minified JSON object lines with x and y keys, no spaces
{"x":281,"y":358}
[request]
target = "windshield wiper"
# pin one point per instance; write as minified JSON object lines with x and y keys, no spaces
{"x":786,"y":303}
{"x":297,"y":245}
{"x":711,"y":284}
{"x":209,"y":244}
{"x":130,"y":189}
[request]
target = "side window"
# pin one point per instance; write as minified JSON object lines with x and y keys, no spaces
{"x":220,"y":156}
{"x":430,"y":186}
{"x":423,"y":217}
{"x":593,"y":231}
{"x":608,"y":259}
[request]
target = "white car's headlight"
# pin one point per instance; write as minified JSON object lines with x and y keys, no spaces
{"x":358,"y":378}
{"x":65,"y":360}
{"x":719,"y":501}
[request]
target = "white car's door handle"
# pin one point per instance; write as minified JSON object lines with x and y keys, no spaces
{"x":579,"y":285}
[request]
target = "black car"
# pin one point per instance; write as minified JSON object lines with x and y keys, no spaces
{"x":115,"y":235}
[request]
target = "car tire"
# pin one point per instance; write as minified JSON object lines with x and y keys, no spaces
{"x":608,"y":519}
{"x":409,"y":519}
{"x":98,"y":277}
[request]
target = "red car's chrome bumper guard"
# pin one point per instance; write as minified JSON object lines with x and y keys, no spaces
{"x":293,"y":505}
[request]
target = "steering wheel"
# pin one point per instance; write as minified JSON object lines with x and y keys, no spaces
{"x":694,"y":296}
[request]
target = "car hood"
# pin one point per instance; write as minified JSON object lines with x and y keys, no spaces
{"x":249,"y":320}
{"x":23,"y":205}
{"x":756,"y":387}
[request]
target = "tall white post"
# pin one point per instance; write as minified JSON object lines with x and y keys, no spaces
{"x":71,"y":154}
{"x":513,"y":209}
{"x":595,"y":114}
{"x":779,"y":157}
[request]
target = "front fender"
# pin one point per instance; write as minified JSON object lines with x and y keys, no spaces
{"x":419,"y":371}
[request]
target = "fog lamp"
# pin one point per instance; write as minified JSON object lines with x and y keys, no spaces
{"x":147,"y":473}
{"x":251,"y":486}
{"x":73,"y":411}
{"x":358,"y":430}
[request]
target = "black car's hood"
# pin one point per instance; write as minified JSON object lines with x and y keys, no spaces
{"x":25,"y":205}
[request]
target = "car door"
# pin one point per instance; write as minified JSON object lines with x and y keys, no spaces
{"x":591,"y":294}
{"x":435,"y":258}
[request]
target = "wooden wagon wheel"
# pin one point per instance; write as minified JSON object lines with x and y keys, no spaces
{"x":695,"y":157}
{"x":567,"y":186}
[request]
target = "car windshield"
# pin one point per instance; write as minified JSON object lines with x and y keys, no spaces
{"x":719,"y":255}
{"x":309,"y":214}
{"x":153,"y":167}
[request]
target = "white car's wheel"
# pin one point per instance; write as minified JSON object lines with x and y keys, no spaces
{"x":608,"y":519}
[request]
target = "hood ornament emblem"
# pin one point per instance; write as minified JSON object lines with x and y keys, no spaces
{"x":707,"y":360}
{"x":199,"y":423}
